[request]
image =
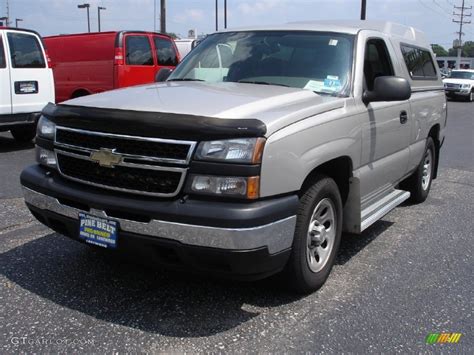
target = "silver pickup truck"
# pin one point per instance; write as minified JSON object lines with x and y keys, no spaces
{"x":253,"y":156}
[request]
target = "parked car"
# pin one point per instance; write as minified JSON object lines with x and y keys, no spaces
{"x":460,"y":84}
{"x":89,"y":63}
{"x":185,"y":45}
{"x":273,"y":152}
{"x":26,"y":82}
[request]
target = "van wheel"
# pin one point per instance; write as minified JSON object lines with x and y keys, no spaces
{"x":317,"y":236}
{"x":24,"y":134}
{"x":419,"y":184}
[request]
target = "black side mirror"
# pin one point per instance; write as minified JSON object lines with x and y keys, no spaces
{"x":162,"y":75}
{"x":388,"y":88}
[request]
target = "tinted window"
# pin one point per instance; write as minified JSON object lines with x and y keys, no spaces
{"x":165,"y":52}
{"x":376,"y":62}
{"x":138,"y":50}
{"x":462,"y":75}
{"x":2,"y":55}
{"x":25,"y":51}
{"x":419,"y":62}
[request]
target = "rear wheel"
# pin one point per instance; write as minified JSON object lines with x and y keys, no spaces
{"x":419,"y":184}
{"x":24,"y":134}
{"x":317,"y":236}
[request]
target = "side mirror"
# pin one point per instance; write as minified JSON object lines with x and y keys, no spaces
{"x":388,"y":88}
{"x":162,"y":75}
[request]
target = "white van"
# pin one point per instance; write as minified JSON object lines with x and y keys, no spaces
{"x":26,"y":82}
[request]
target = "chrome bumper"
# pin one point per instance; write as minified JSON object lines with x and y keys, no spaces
{"x":276,"y":236}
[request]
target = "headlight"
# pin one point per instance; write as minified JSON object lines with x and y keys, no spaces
{"x":242,"y":187}
{"x":46,"y":128}
{"x":46,"y":157}
{"x":242,"y":150}
{"x":466,"y":86}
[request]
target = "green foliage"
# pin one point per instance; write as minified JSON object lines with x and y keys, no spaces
{"x":467,"y":50}
{"x":439,"y":50}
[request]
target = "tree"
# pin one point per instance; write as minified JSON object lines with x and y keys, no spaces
{"x":439,"y":50}
{"x":467,"y":50}
{"x":172,"y":35}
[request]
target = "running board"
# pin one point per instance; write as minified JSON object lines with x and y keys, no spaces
{"x":374,"y":212}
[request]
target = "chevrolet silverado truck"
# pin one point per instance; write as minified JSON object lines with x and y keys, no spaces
{"x":253,"y":156}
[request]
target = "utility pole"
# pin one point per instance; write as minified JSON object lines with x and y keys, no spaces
{"x":217,"y":15}
{"x":461,"y":20}
{"x":163,"y":16}
{"x":363,"y":10}
{"x":154,"y":15}
{"x":225,"y":13}
{"x":98,"y":15}
{"x":7,"y":18}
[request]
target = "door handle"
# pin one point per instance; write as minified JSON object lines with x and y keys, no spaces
{"x":403,"y":117}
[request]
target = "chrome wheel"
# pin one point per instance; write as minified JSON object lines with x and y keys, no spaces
{"x":321,"y":235}
{"x":427,"y":162}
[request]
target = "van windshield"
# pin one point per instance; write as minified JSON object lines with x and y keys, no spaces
{"x":316,"y":61}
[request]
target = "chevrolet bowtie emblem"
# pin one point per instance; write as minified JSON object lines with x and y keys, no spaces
{"x":106,"y":157}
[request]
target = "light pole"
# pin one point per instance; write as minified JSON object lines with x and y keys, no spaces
{"x":4,"y":19}
{"x":225,"y":13}
{"x":163,"y":16}
{"x":217,"y":15}
{"x":363,"y":9}
{"x":86,"y":6}
{"x":98,"y":14}
{"x":17,"y":20}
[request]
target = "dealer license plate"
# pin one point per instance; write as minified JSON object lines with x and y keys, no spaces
{"x":98,"y":231}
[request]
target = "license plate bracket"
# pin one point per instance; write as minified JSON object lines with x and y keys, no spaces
{"x":99,"y":231}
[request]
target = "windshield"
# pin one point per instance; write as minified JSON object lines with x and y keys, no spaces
{"x":462,"y":75}
{"x":316,"y":61}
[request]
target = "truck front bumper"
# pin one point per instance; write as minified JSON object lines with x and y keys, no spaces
{"x":10,"y":121}
{"x":252,"y":240}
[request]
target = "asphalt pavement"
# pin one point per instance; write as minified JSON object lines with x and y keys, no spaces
{"x":408,"y":275}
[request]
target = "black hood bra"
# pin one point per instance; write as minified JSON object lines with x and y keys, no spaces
{"x":152,"y":124}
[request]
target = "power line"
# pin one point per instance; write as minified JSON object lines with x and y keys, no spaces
{"x":460,"y":18}
{"x":444,"y":15}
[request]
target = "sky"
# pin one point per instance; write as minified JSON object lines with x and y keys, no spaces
{"x":49,"y":17}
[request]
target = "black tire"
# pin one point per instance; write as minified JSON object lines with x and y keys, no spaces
{"x":24,"y":134}
{"x":299,"y":275}
{"x":470,"y":98}
{"x":415,"y":184}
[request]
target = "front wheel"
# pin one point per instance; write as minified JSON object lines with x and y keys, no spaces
{"x":317,"y":236}
{"x":24,"y":134}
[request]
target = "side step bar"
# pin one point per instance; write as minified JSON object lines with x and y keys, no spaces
{"x":374,"y":212}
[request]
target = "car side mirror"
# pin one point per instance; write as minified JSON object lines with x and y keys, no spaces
{"x":162,"y":75}
{"x":388,"y":88}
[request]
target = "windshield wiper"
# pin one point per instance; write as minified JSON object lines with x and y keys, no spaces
{"x":185,"y":79}
{"x":261,"y":83}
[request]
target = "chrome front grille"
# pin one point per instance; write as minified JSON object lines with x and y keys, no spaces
{"x":138,"y":161}
{"x":453,"y":86}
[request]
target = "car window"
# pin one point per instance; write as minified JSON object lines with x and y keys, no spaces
{"x":165,"y":52}
{"x":25,"y":51}
{"x":138,"y":50}
{"x":3,"y":64}
{"x":377,"y":62}
{"x":316,"y":61}
{"x":419,"y":62}
{"x":462,"y":75}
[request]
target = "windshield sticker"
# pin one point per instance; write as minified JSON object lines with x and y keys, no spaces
{"x":314,"y":85}
{"x":333,"y":42}
{"x":332,"y":85}
{"x":332,"y":77}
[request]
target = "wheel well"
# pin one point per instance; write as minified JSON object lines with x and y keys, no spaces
{"x":79,"y":93}
{"x":434,"y":133}
{"x":339,"y":169}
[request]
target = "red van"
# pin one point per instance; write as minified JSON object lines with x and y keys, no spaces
{"x":89,"y":63}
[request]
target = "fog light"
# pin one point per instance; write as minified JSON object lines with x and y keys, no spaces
{"x":46,"y":157}
{"x":244,"y":187}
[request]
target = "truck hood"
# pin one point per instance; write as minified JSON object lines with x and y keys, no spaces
{"x":458,"y":81}
{"x":275,"y":106}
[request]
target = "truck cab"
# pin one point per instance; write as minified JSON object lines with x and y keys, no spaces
{"x":26,"y":81}
{"x":289,"y":135}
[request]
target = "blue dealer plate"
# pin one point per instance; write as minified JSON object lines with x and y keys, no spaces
{"x":98,"y":231}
